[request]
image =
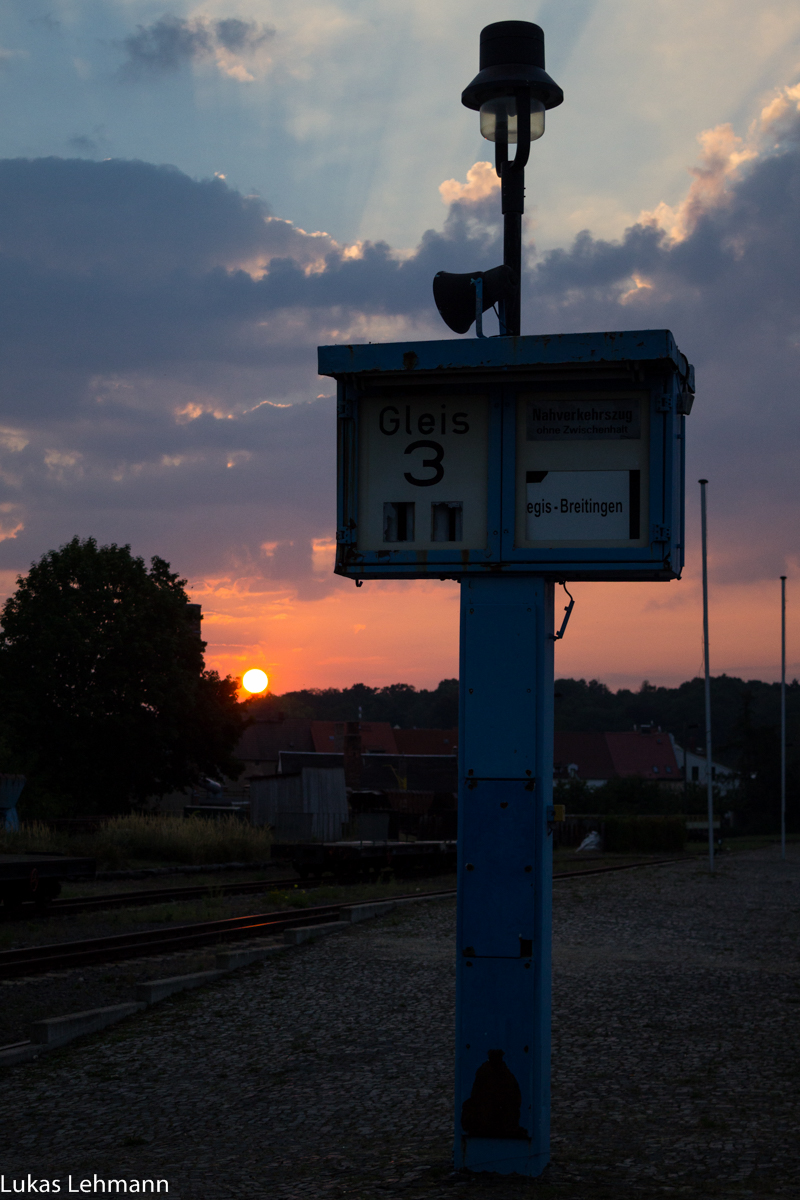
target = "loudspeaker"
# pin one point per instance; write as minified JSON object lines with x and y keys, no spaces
{"x":455,"y":294}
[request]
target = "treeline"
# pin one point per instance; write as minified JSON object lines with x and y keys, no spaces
{"x":745,"y":731}
{"x":398,"y":703}
{"x":738,"y":707}
{"x":745,"y":734}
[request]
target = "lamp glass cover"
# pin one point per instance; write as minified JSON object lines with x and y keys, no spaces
{"x":504,"y":108}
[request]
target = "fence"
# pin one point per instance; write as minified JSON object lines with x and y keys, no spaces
{"x":624,"y":834}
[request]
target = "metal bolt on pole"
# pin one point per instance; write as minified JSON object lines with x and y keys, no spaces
{"x":783,"y":716}
{"x":709,"y":777}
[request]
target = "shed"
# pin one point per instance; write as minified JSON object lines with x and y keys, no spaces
{"x":308,"y":804}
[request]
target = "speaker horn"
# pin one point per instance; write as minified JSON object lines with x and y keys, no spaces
{"x":455,"y":294}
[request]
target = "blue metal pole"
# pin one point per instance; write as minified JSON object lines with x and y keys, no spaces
{"x":505,"y":868}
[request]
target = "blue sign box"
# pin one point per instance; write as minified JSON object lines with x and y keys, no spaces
{"x":561,"y":456}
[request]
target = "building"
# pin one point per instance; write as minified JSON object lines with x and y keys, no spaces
{"x":646,"y":753}
{"x":595,"y":758}
{"x":377,"y":737}
{"x":426,"y":741}
{"x":382,"y":772}
{"x":263,"y":742}
{"x":694,"y":762}
{"x":309,"y":804}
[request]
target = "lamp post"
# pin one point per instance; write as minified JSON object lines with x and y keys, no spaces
{"x":707,"y":693}
{"x":479,"y":432}
{"x":511,"y":92}
{"x":783,"y":716}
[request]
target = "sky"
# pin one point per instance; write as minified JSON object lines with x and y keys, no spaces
{"x":193,"y":197}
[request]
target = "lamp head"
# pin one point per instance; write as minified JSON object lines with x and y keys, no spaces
{"x":512,"y":71}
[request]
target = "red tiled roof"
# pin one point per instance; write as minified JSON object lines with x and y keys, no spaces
{"x":649,"y":755}
{"x":611,"y":755}
{"x":587,"y":751}
{"x":426,"y":741}
{"x":263,"y":741}
{"x":377,"y":737}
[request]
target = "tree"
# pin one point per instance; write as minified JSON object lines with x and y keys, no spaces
{"x":104,"y":699}
{"x":398,"y":703}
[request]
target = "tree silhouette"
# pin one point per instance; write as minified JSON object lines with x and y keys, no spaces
{"x":104,"y":699}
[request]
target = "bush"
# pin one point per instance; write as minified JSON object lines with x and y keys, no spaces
{"x":34,"y":838}
{"x":644,"y":835}
{"x":630,"y":796}
{"x":575,"y":795}
{"x":139,"y":838}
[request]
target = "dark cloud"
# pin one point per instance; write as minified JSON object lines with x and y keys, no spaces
{"x":90,"y":145}
{"x":241,"y":37}
{"x":124,"y":266}
{"x":169,"y":42}
{"x":83,"y":144}
{"x":729,"y":293}
{"x":158,"y":355}
{"x":127,"y":219}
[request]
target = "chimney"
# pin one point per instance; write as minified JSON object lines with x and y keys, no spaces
{"x":194,"y":615}
{"x":353,"y":763}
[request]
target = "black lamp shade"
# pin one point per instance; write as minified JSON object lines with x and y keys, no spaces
{"x":512,"y":59}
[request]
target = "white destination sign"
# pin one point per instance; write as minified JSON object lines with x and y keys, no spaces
{"x":582,"y":505}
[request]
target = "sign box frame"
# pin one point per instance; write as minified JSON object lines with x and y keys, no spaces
{"x":645,"y":366}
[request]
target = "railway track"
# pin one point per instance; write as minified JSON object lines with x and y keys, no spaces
{"x":37,"y":960}
{"x":33,"y":960}
{"x":140,"y":899}
{"x":84,"y":904}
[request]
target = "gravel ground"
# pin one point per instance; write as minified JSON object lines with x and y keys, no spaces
{"x":328,"y":1071}
{"x":57,"y":993}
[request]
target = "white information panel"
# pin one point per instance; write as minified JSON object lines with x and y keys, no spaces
{"x":582,"y":469}
{"x":590,"y":505}
{"x":422,"y":481}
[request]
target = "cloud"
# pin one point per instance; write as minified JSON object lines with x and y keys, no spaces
{"x":9,"y":56}
{"x":482,"y":182}
{"x":158,"y":351}
{"x":723,"y":277}
{"x":170,"y":42}
{"x":158,"y":364}
{"x":90,"y":145}
{"x":725,"y":160}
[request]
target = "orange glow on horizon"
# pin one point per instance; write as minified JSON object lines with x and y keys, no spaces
{"x":407,"y":632}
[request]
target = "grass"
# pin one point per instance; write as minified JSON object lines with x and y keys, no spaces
{"x":135,"y":839}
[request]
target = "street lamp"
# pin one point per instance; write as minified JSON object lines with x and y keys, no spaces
{"x":511,"y":92}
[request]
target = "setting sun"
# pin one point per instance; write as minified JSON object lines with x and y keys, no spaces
{"x":255,"y":681}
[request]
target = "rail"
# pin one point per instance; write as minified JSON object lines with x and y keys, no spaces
{"x":35,"y":960}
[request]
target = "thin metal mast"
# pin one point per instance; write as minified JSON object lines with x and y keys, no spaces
{"x":783,"y":716}
{"x":709,"y":779}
